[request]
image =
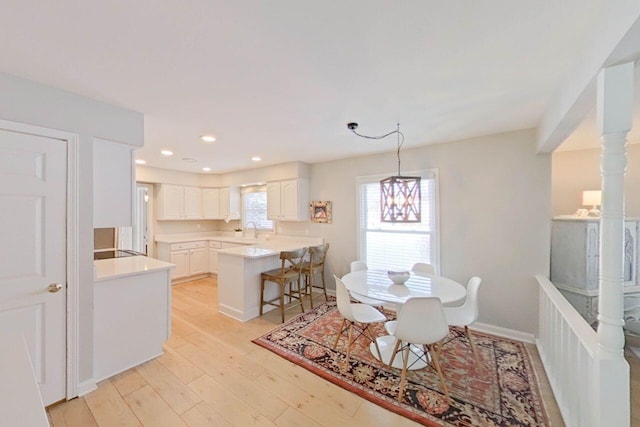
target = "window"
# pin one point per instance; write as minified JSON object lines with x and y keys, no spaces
{"x":397,"y":246}
{"x":254,"y":207}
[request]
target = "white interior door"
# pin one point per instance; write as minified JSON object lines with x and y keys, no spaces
{"x":33,"y":252}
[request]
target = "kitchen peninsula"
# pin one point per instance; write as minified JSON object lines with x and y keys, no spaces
{"x":239,"y":274}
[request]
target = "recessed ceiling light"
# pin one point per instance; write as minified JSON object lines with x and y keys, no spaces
{"x":140,"y":162}
{"x":189,"y":159}
{"x":208,"y":138}
{"x":206,"y":169}
{"x":167,"y":153}
{"x":256,"y":159}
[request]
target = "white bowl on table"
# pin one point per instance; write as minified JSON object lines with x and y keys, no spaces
{"x":398,"y":277}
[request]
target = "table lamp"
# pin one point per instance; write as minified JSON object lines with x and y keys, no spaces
{"x":592,"y":198}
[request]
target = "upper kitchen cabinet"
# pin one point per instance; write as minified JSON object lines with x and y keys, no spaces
{"x":288,"y":200}
{"x":218,"y":203}
{"x":192,"y":203}
{"x":179,"y":202}
{"x":113,"y":184}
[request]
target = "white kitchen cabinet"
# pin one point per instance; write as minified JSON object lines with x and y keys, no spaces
{"x":575,"y":245}
{"x":213,"y":256}
{"x":288,"y":200}
{"x":198,"y":261}
{"x":211,"y":203}
{"x":219,"y":203}
{"x":113,"y":184}
{"x":192,"y":203}
{"x":179,"y":202}
{"x":190,"y":258}
{"x":181,"y":260}
{"x":170,"y":202}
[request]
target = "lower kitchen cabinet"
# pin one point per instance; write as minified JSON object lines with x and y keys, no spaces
{"x":213,"y":256}
{"x":123,"y":338}
{"x":190,"y":258}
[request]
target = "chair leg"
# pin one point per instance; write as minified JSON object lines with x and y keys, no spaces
{"x":375,"y":341}
{"x":435,"y":356}
{"x":403,"y":377}
{"x":472,"y":344}
{"x":261,"y":296}
{"x":346,"y":362}
{"x":394,"y":352}
{"x":335,"y":344}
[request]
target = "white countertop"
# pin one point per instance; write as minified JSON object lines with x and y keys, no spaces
{"x":182,"y":238}
{"x":270,"y":247}
{"x":127,"y":266}
{"x":587,"y":218}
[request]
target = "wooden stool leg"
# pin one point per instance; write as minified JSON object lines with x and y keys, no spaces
{"x":309,"y":287}
{"x":324,"y":286}
{"x":261,"y":296}
{"x":300,"y":293}
{"x":282,"y":288}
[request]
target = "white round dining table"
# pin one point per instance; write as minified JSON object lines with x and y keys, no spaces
{"x":377,"y":285}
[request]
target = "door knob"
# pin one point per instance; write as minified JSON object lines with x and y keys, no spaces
{"x":54,"y":287}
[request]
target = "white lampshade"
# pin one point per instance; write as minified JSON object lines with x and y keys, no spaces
{"x":591,"y":198}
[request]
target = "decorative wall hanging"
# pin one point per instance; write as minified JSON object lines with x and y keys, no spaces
{"x":320,"y":211}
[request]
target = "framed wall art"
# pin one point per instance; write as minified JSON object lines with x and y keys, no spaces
{"x":320,"y":211}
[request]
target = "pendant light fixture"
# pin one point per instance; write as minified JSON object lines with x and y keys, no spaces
{"x":400,"y":196}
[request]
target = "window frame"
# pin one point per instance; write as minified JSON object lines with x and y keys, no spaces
{"x":243,"y":218}
{"x":435,"y":220}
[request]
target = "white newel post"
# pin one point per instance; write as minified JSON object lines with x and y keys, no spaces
{"x":614,"y":112}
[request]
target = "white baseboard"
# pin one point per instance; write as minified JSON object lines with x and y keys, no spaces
{"x":87,"y":386}
{"x":504,"y":332}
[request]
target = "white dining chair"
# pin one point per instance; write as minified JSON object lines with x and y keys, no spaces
{"x":420,"y":321}
{"x":362,"y":266}
{"x":465,"y":315}
{"x":423,"y":267}
{"x":354,"y":315}
{"x":358,"y":266}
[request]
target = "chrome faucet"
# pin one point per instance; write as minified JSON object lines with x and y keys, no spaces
{"x":255,"y":228}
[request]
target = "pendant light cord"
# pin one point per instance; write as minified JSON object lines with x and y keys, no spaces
{"x":400,"y":140}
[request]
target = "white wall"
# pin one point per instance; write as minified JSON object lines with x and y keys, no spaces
{"x":494,"y":214}
{"x":35,"y":104}
{"x":575,"y":171}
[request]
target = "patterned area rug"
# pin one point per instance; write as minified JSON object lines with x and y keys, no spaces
{"x":501,"y":391}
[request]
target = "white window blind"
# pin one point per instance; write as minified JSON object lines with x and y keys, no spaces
{"x":397,"y":246}
{"x":254,"y":207}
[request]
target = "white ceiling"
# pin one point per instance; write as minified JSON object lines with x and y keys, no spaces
{"x":280,"y":79}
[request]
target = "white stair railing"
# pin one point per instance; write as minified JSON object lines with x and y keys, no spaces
{"x":568,"y":347}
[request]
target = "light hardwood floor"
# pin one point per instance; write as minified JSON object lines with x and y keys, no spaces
{"x":212,"y":375}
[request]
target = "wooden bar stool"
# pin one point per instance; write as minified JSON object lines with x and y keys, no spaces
{"x":290,"y":272}
{"x":313,"y":267}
